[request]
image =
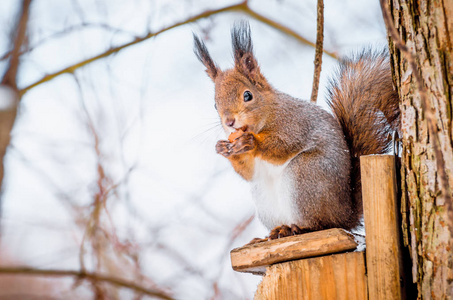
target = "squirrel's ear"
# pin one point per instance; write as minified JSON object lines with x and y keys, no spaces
{"x":244,"y":60}
{"x":203,"y":55}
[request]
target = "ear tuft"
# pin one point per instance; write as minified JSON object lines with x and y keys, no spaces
{"x":244,"y":60}
{"x":202,"y":54}
{"x":242,"y":41}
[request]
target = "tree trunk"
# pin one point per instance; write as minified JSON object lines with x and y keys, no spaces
{"x":426,"y":28}
{"x":9,"y":92}
{"x":7,"y":118}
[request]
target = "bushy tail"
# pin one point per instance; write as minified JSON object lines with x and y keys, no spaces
{"x":365,"y":103}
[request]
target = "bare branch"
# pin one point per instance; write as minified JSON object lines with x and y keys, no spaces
{"x":284,"y":29}
{"x":318,"y":54}
{"x":65,"y":32}
{"x":243,"y":6}
{"x":84,"y":275}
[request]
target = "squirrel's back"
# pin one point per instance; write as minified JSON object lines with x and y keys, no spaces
{"x":364,"y":102}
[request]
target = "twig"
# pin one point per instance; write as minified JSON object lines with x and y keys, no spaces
{"x":66,"y":32}
{"x":318,"y":54}
{"x":243,"y":6}
{"x":84,"y":275}
{"x":427,"y":109}
{"x":239,"y":229}
{"x":284,"y":29}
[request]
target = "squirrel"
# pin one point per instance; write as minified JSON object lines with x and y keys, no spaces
{"x":302,"y":161}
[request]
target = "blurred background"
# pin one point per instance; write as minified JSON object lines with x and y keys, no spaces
{"x":111,"y":167}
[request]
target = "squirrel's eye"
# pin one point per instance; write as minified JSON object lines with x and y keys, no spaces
{"x":247,"y":96}
{"x":215,"y":106}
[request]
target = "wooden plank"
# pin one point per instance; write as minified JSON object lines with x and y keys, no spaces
{"x":254,"y":258}
{"x":383,"y":249}
{"x":339,"y":276}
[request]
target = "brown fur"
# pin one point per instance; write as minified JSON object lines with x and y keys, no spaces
{"x":316,"y":147}
{"x":366,"y":105}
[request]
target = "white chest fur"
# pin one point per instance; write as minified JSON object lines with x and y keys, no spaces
{"x":272,"y":190}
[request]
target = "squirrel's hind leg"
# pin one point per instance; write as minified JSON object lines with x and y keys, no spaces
{"x":281,"y":231}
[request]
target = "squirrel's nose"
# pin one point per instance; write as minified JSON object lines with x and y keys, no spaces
{"x":230,"y":122}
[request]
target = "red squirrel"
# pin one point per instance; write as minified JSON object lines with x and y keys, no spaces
{"x":302,"y":162}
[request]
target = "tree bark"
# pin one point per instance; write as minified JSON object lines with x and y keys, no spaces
{"x":426,"y":28}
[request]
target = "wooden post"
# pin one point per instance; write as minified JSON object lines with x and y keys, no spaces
{"x":383,"y":252}
{"x":331,"y":277}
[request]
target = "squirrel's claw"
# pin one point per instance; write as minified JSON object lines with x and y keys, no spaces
{"x":279,"y":232}
{"x":224,"y":148}
{"x":244,"y":143}
{"x":284,"y":231}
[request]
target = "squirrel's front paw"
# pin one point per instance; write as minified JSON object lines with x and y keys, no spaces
{"x":244,"y":143}
{"x":224,"y":148}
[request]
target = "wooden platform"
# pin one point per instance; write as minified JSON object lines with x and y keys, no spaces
{"x":255,"y":258}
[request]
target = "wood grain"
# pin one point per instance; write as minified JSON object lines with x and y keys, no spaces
{"x":254,"y":258}
{"x":339,"y":276}
{"x":383,"y":253}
